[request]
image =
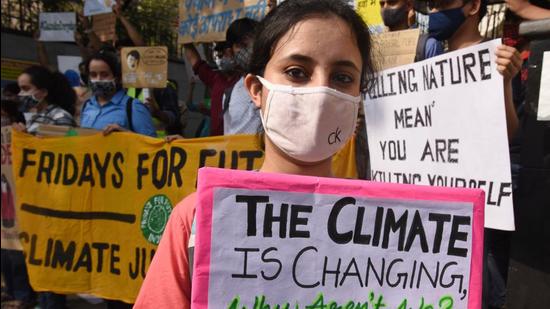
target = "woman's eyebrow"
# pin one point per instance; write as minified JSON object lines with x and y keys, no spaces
{"x":348,"y":64}
{"x":307,"y":59}
{"x":298,"y":58}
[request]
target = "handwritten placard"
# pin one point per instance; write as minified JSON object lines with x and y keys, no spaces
{"x":94,"y":7}
{"x":57,"y":27}
{"x":441,"y":122}
{"x":283,"y":241}
{"x":207,"y":21}
{"x":396,"y":48}
{"x":144,"y":67}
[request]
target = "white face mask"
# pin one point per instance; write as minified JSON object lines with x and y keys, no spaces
{"x":309,"y":124}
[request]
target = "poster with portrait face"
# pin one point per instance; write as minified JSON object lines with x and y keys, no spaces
{"x":144,"y":67}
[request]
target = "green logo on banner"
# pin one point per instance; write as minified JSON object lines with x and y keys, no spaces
{"x":154,"y":217}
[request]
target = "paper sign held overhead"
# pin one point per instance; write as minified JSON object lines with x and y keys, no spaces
{"x":57,"y":27}
{"x":104,"y":25}
{"x":144,"y":67}
{"x":441,"y":122}
{"x":95,"y":7}
{"x":304,"y":242}
{"x":207,"y":21}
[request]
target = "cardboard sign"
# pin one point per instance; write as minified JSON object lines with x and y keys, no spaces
{"x":144,"y":67}
{"x":104,"y":25}
{"x":207,"y":21}
{"x":269,"y":240}
{"x":441,"y":122}
{"x":92,"y":208}
{"x":370,"y":11}
{"x":392,"y":49}
{"x":543,"y":113}
{"x":10,"y":229}
{"x":57,"y":27}
{"x":95,"y":7}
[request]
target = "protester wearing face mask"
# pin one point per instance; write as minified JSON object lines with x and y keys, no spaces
{"x":239,"y":115}
{"x":46,"y":98}
{"x":396,"y":16}
{"x":307,"y":71}
{"x":110,"y":109}
{"x":217,"y":81}
{"x":456,"y":21}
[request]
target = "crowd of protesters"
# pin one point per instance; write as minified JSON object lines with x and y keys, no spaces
{"x":95,"y":98}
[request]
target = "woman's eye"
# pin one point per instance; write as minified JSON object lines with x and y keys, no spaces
{"x":296,"y":73}
{"x":343,"y":78}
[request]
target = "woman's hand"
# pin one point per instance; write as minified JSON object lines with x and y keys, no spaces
{"x":171,"y":138}
{"x":19,"y":127}
{"x":113,"y":127}
{"x":508,"y":62}
{"x":152,"y":105}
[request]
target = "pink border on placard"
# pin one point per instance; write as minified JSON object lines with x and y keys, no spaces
{"x":281,"y":182}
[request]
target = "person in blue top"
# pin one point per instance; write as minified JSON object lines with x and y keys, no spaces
{"x":110,"y":109}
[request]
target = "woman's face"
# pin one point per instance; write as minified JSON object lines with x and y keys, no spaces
{"x":319,"y":51}
{"x":28,"y":88}
{"x":100,"y":70}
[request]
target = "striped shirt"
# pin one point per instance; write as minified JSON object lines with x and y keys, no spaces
{"x":53,"y":115}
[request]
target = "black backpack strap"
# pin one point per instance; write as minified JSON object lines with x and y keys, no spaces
{"x":129,"y":103}
{"x":83,"y":108}
{"x":421,"y":47}
{"x":227,"y":97}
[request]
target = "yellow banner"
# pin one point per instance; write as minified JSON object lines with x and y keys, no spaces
{"x":92,"y":208}
{"x":12,"y":68}
{"x":207,"y":20}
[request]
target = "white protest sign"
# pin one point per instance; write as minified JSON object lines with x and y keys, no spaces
{"x":269,"y":240}
{"x":57,"y":27}
{"x":543,"y":113}
{"x":65,"y":63}
{"x":95,"y":7}
{"x":441,"y":122}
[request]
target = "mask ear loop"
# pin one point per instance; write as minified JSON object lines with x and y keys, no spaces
{"x":265,"y":82}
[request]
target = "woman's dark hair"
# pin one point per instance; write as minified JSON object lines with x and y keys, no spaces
{"x":109,"y":58}
{"x":134,"y":53}
{"x":289,"y":13}
{"x":12,"y":88}
{"x":11,"y":108}
{"x":60,"y":91}
{"x":239,"y":30}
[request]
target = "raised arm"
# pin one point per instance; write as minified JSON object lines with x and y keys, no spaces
{"x":133,"y":33}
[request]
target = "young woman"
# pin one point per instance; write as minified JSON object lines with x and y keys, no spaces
{"x":46,"y":98}
{"x":308,"y":68}
{"x":110,"y":109}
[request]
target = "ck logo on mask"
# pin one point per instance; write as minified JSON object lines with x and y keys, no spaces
{"x":334,"y":137}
